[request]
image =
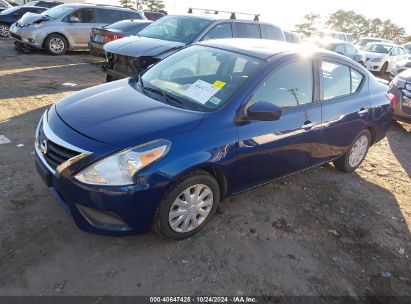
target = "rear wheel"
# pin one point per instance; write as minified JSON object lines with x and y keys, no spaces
{"x":56,"y":44}
{"x":355,"y":154}
{"x":188,"y":207}
{"x":4,"y":30}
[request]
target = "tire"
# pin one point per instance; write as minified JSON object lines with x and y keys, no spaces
{"x":344,"y":163}
{"x":384,"y":69}
{"x":172,"y":215}
{"x":109,"y":78}
{"x":4,"y":30}
{"x":56,"y":44}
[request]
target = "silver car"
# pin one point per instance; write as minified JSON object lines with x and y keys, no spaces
{"x":67,"y":26}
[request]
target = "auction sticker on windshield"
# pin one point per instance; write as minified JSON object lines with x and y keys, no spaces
{"x":202,"y":91}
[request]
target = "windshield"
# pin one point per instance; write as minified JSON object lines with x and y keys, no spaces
{"x":179,"y":29}
{"x":198,"y":77}
{"x":378,"y":48}
{"x":57,"y":12}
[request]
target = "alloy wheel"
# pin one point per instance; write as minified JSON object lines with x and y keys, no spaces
{"x":4,"y":30}
{"x":358,"y":151}
{"x":190,"y":209}
{"x":56,"y":45}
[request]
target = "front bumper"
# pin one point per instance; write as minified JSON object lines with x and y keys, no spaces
{"x":28,"y":36}
{"x":106,"y":210}
{"x":373,"y":66}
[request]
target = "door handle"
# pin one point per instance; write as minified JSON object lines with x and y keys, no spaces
{"x":307,"y":125}
{"x":362,"y":111}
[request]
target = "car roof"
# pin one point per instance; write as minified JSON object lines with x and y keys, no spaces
{"x":214,"y":17}
{"x":96,"y":6}
{"x":384,"y":43}
{"x":261,"y":48}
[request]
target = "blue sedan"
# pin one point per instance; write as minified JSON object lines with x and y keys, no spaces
{"x":162,"y":148}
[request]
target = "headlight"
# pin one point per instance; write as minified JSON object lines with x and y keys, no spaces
{"x":376,"y":59}
{"x":120,"y":168}
{"x":38,"y":25}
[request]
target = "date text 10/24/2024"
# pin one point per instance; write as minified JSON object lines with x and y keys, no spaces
{"x":204,"y":299}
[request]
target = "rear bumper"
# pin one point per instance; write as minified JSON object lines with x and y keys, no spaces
{"x":96,"y":49}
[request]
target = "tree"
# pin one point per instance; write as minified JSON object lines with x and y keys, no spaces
{"x":358,"y":25}
{"x":128,"y":3}
{"x":349,"y":22}
{"x":393,"y":32}
{"x":308,"y":27}
{"x":152,"y":5}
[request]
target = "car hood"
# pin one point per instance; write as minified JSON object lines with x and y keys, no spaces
{"x":372,"y":55}
{"x":406,"y":75}
{"x":117,"y":114}
{"x":30,"y":18}
{"x":136,"y":46}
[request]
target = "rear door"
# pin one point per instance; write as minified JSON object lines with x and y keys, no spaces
{"x":345,"y":106}
{"x":79,"y":32}
{"x":272,"y":149}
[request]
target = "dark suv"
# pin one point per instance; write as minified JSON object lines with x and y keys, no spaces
{"x":169,"y":34}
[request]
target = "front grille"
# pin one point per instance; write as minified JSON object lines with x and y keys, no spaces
{"x":12,"y":35}
{"x":55,"y":154}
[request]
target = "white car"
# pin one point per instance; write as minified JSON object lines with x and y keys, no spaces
{"x":382,"y":57}
{"x":363,"y":41}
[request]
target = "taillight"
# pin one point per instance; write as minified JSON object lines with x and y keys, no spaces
{"x":112,"y":37}
{"x":393,"y":99}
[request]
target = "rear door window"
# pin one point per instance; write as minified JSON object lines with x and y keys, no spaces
{"x":339,"y":80}
{"x":246,"y":30}
{"x":108,"y":16}
{"x":356,"y":80}
{"x":336,"y":79}
{"x":271,"y":32}
{"x":222,"y":30}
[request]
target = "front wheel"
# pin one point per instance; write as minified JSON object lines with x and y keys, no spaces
{"x":4,"y":30}
{"x":56,"y":44}
{"x":384,"y":69}
{"x":355,"y":154}
{"x":188,"y":207}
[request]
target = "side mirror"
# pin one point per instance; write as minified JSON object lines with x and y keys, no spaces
{"x":74,"y":19}
{"x":264,"y":111}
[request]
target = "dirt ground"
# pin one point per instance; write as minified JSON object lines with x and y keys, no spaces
{"x":320,"y":232}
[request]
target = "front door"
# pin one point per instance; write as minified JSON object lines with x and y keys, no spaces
{"x":79,"y":32}
{"x":272,"y":149}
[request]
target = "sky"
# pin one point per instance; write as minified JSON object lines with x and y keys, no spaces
{"x":287,"y":13}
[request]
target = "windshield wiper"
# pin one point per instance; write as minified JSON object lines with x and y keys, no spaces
{"x":167,"y":96}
